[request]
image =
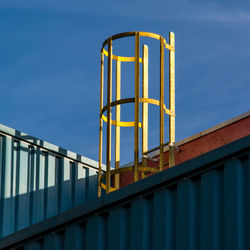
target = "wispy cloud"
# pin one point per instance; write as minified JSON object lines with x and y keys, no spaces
{"x":165,"y":10}
{"x":218,"y":13}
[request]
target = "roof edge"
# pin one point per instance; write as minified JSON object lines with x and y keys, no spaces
{"x":156,"y":151}
{"x":10,"y":132}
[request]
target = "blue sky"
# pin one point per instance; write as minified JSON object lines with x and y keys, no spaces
{"x":50,"y":63}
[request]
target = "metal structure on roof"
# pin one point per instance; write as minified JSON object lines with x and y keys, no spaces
{"x":139,"y":169}
{"x":40,"y":180}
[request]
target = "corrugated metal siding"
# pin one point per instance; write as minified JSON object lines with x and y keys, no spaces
{"x":39,"y":181}
{"x":202,"y":204}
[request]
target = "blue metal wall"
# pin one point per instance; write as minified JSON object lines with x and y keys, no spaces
{"x":202,"y":204}
{"x":40,"y":180}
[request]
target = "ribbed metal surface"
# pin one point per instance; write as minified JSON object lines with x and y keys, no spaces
{"x":39,"y":180}
{"x":200,"y":204}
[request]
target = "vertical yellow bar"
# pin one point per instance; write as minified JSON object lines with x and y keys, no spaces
{"x":117,"y":128}
{"x":100,"y":125}
{"x":145,"y":106}
{"x":161,"y":103}
{"x":172,"y":101}
{"x":109,"y":99}
{"x":137,"y":80}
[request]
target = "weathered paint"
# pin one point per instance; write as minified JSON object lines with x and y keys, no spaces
{"x":40,"y":180}
{"x":200,"y":143}
{"x":201,"y":204}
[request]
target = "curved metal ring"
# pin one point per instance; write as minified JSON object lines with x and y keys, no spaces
{"x":121,"y":124}
{"x":148,"y":169}
{"x":104,"y":186}
{"x":121,"y":58}
{"x":144,"y":34}
{"x":131,"y":100}
{"x":118,"y":102}
{"x":126,"y":169}
{"x":113,"y":172}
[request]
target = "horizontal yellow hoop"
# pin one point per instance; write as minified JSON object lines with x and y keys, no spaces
{"x":132,"y":33}
{"x":121,"y":170}
{"x":104,"y":186}
{"x":121,"y":58}
{"x":113,"y":172}
{"x":148,"y":169}
{"x":124,"y":170}
{"x":119,"y":123}
{"x":128,"y":169}
{"x":132,"y":100}
{"x":156,"y":102}
{"x":118,"y":102}
{"x":144,"y":34}
{"x":149,"y":34}
{"x":120,"y":35}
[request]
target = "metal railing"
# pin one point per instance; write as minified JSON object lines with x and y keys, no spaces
{"x":137,"y":99}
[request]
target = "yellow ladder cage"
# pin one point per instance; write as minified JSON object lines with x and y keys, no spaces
{"x":104,"y":179}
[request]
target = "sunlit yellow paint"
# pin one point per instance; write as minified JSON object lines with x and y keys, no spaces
{"x":137,"y":99}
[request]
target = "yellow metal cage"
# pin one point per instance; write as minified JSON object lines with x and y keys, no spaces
{"x":137,"y":99}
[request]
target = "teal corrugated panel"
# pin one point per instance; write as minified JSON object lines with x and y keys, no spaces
{"x":140,"y":225}
{"x":33,"y":246}
{"x":54,"y":241}
{"x":118,"y":226}
{"x":164,"y":212}
{"x":91,"y":181}
{"x":8,"y":200}
{"x":40,"y":180}
{"x":66,"y":199}
{"x":211,"y":212}
{"x":32,"y":181}
{"x":233,"y":214}
{"x":51,"y":186}
{"x":95,"y":233}
{"x":246,"y":167}
{"x":39,"y":189}
{"x":22,"y":194}
{"x":81,"y":183}
{"x":74,"y":237}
